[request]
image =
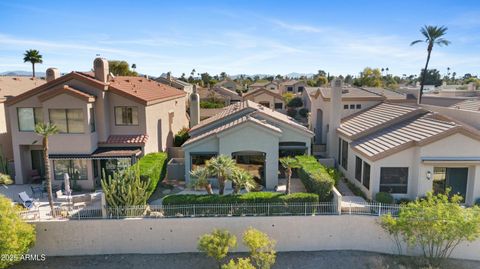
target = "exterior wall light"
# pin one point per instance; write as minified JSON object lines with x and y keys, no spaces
{"x":429,"y":175}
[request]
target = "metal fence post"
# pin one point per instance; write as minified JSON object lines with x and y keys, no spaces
{"x":379,"y":209}
{"x":305,"y":205}
{"x":194,"y":211}
{"x":350,"y":208}
{"x":268,"y":209}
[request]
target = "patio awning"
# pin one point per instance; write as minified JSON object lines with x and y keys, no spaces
{"x":101,"y":153}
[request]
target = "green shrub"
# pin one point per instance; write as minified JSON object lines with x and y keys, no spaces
{"x":212,"y":104}
{"x":303,"y":112}
{"x":5,"y":179}
{"x":384,"y":198}
{"x":315,"y":177}
{"x":217,"y":244}
{"x":292,"y":112}
{"x":153,"y":166}
{"x":246,"y":198}
{"x":295,"y":102}
{"x":261,"y":248}
{"x":237,"y":205}
{"x":16,"y":236}
{"x":181,"y":137}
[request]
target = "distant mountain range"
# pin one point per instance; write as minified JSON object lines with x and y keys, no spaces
{"x":22,"y":73}
{"x":290,"y":75}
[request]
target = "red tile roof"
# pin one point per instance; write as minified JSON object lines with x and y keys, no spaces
{"x":127,"y":139}
{"x":143,"y":89}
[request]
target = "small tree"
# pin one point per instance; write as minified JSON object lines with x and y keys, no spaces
{"x":242,"y":179}
{"x":295,"y":102}
{"x":436,"y":224}
{"x":200,"y":179}
{"x":217,"y":244}
{"x":261,"y":247}
{"x":221,"y":166}
{"x":289,"y":163}
{"x":287,"y":97}
{"x":125,"y":188}
{"x":240,"y":263}
{"x":16,"y":236}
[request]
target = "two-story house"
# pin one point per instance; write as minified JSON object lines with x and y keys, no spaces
{"x":104,"y":122}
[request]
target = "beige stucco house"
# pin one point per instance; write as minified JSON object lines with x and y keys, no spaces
{"x":229,"y":84}
{"x":408,"y":151}
{"x":105,"y":123}
{"x":353,"y":100}
{"x":269,"y":85}
{"x":292,"y":86}
{"x":266,"y":98}
{"x":255,"y":136}
{"x":11,"y":86}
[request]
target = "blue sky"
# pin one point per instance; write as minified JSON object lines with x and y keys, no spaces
{"x":266,"y":37}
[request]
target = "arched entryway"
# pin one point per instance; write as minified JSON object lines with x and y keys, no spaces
{"x":253,"y":162}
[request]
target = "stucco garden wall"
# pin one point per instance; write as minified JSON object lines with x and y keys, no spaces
{"x":90,"y":237}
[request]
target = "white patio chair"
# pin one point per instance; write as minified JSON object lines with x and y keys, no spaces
{"x":27,"y":202}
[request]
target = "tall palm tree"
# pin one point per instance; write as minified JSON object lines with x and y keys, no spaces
{"x":289,"y":163}
{"x":34,"y":57}
{"x":222,"y":166}
{"x":433,"y":36}
{"x":45,"y":130}
{"x":242,"y":179}
{"x":201,"y":174}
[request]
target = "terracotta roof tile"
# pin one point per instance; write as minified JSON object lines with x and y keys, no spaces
{"x":144,"y":89}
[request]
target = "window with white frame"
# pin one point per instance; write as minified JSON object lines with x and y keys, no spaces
{"x":126,"y":115}
{"x":28,"y":117}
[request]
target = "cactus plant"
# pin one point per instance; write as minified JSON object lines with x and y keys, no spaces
{"x":125,"y":188}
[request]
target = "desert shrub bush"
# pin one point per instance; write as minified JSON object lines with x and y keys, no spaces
{"x":16,"y":236}
{"x":217,"y":244}
{"x":295,"y":102}
{"x":212,"y":104}
{"x":303,"y":112}
{"x":436,"y":224}
{"x":384,"y":198}
{"x":315,"y":177}
{"x":292,"y":112}
{"x":181,"y":137}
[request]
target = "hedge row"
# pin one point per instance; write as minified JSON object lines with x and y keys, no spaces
{"x":154,"y":167}
{"x":316,"y":178}
{"x":247,"y":198}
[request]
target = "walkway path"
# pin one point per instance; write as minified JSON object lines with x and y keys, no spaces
{"x":343,"y":188}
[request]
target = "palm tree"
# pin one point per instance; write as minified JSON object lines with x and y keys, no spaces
{"x":200,"y":175}
{"x":222,"y":166}
{"x":34,"y":57}
{"x":242,"y":179}
{"x":45,"y":130}
{"x":134,"y":67}
{"x":433,"y":36}
{"x":289,"y":163}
